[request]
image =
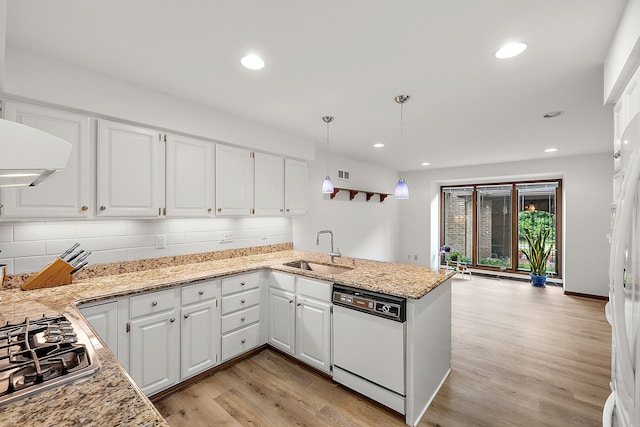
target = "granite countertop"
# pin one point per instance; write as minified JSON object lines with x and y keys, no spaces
{"x":110,"y":396}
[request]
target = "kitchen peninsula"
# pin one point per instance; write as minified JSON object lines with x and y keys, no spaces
{"x":110,"y":396}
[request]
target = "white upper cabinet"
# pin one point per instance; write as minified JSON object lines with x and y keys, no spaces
{"x":234,"y":181}
{"x":269,"y":184}
{"x":66,"y":194}
{"x":190,"y":186}
{"x":295,"y":187}
{"x":131,"y":170}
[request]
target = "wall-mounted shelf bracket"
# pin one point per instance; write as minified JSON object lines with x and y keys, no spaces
{"x":353,"y":193}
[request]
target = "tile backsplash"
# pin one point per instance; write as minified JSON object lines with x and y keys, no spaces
{"x":29,"y":246}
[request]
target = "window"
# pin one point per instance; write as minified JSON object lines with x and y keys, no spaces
{"x":486,"y":223}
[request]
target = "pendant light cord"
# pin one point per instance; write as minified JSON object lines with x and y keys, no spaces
{"x":401,"y":139}
{"x":328,"y":147}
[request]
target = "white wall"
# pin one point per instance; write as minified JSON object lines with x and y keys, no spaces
{"x":361,"y":229}
{"x":624,"y":54}
{"x":32,"y":245}
{"x":58,"y":82}
{"x":588,"y":193}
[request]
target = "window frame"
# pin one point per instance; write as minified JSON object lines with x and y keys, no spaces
{"x":514,"y":224}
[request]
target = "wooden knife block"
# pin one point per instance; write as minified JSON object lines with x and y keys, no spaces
{"x":56,"y":273}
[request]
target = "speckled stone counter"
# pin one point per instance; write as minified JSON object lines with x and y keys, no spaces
{"x":110,"y":397}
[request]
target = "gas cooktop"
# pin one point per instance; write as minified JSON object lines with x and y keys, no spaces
{"x":41,"y":353}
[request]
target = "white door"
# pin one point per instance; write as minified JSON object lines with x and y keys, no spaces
{"x":200,"y":338}
{"x":282,"y":318}
{"x":154,"y":351}
{"x":234,"y":181}
{"x":295,"y":196}
{"x":130,"y":170}
{"x":313,"y":333}
{"x":269,"y":184}
{"x":190,"y":186}
{"x":104,"y":320}
{"x":66,"y":193}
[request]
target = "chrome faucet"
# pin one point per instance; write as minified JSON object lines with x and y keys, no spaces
{"x":333,"y":253}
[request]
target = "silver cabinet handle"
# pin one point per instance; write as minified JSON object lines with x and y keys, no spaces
{"x":154,"y":303}
{"x":241,"y":283}
{"x":201,"y":293}
{"x":242,"y":301}
{"x":244,"y":341}
{"x":186,"y":316}
{"x":298,"y":304}
{"x":290,"y":301}
{"x":173,"y":319}
{"x":288,"y":210}
{"x":103,"y":208}
{"x":242,"y":318}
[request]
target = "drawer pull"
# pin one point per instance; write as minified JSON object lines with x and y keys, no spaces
{"x":242,"y":318}
{"x":154,"y":303}
{"x":244,"y":341}
{"x":186,"y":316}
{"x":241,"y":283}
{"x":242,"y":301}
{"x":103,"y":208}
{"x":173,"y":319}
{"x":84,"y":208}
{"x":291,"y":301}
{"x":201,"y":293}
{"x":299,"y":304}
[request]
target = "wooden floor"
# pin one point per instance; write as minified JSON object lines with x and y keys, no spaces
{"x":521,"y":356}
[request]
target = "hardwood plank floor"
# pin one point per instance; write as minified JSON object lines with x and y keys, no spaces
{"x":521,"y":356}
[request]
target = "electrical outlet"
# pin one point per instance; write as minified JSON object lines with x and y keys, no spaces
{"x":225,"y":236}
{"x":415,"y":257}
{"x":161,"y":241}
{"x":409,"y":257}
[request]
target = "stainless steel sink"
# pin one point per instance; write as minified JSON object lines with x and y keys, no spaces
{"x":318,"y":268}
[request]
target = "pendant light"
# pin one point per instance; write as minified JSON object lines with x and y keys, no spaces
{"x":402,"y":190}
{"x":327,"y":184}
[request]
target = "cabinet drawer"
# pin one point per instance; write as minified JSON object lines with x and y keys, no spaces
{"x":199,"y":292}
{"x":240,"y":318}
{"x":240,"y":341}
{"x":153,"y":302}
{"x":240,"y":301}
{"x":242,"y":282}
{"x":314,"y":289}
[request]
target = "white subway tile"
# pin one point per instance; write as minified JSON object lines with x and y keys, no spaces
{"x":144,"y":253}
{"x":56,"y":247}
{"x":201,"y":236}
{"x":103,"y":257}
{"x":30,"y":264}
{"x":102,"y":228}
{"x":22,"y":249}
{"x":146,"y":227}
{"x":6,"y":233}
{"x":44,"y":231}
{"x":128,"y":242}
{"x":175,"y":238}
{"x":9,"y":263}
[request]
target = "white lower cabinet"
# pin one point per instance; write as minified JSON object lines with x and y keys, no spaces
{"x":200,"y":328}
{"x":240,"y":314}
{"x":300,"y":318}
{"x":154,"y":340}
{"x":103,"y":318}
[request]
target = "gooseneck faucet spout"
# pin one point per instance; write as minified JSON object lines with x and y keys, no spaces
{"x":333,"y":253}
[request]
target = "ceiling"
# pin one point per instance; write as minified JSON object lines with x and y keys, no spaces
{"x":349,"y":59}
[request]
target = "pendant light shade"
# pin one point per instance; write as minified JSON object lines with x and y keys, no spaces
{"x":327,"y":184}
{"x":402,"y":189}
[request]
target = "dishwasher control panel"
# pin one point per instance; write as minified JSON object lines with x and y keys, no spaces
{"x":382,"y":305}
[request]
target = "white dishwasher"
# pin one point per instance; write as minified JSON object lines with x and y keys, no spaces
{"x":369,"y":344}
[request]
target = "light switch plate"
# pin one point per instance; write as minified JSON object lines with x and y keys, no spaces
{"x":226,"y":236}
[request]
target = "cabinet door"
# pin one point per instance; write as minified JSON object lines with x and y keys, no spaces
{"x":313,"y":333}
{"x":154,"y":351}
{"x":190,"y":164}
{"x":66,"y":193}
{"x":130,"y":170}
{"x":295,"y":193}
{"x":200,"y":338}
{"x":269,"y":184}
{"x":104,"y":320}
{"x":282,"y":317}
{"x":234,"y":181}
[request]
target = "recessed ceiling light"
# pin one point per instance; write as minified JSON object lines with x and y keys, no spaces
{"x":378,"y":145}
{"x":550,"y":150}
{"x":426,"y":164}
{"x":552,"y":114}
{"x":252,"y":62}
{"x":510,"y":50}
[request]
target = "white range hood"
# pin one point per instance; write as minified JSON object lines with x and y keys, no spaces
{"x":28,"y":156}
